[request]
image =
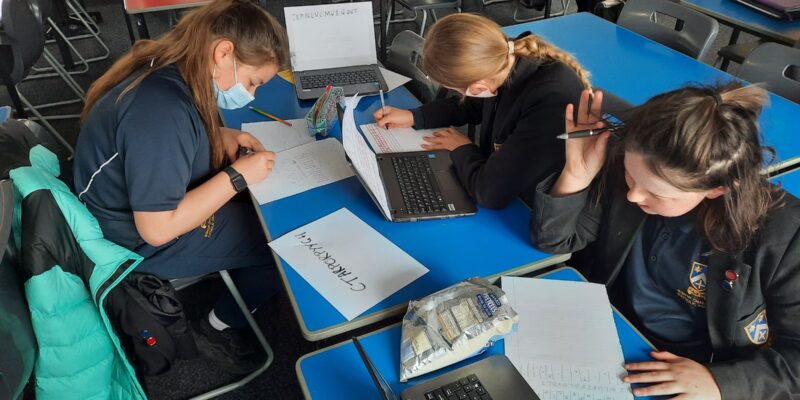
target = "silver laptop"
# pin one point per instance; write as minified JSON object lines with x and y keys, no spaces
{"x":492,"y":378}
{"x":333,"y":44}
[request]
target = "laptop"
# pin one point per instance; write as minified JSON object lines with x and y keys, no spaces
{"x":492,"y":378}
{"x":333,"y":44}
{"x":783,"y":9}
{"x":419,"y":185}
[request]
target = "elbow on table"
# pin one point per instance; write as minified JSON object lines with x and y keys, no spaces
{"x":551,"y":245}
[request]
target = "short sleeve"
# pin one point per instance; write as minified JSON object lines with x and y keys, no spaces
{"x":157,"y":142}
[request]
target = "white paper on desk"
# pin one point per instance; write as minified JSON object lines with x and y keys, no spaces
{"x":566,"y":345}
{"x":393,"y":79}
{"x":362,"y":157}
{"x":277,"y":137}
{"x":303,"y":168}
{"x":395,"y":140}
{"x":347,"y":261}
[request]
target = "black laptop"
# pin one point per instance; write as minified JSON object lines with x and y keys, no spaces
{"x":783,"y":9}
{"x":418,"y":185}
{"x":333,"y":44}
{"x":492,"y":378}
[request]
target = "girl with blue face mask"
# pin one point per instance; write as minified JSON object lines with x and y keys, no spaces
{"x":160,"y":174}
{"x":513,"y":88}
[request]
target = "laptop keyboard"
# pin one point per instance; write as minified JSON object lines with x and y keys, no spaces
{"x":418,"y":185}
{"x":338,"y":78}
{"x":468,"y":388}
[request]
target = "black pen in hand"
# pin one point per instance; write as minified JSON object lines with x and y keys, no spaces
{"x":589,"y":132}
{"x":243,"y":151}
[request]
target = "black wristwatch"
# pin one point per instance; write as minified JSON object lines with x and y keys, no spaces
{"x":237,"y":180}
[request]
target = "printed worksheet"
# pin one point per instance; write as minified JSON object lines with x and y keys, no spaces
{"x":395,"y":140}
{"x":277,"y":137}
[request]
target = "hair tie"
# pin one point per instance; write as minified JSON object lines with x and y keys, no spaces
{"x":717,"y":97}
{"x":511,"y":47}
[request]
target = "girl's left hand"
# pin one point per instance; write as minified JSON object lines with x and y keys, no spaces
{"x":447,"y":139}
{"x":673,"y":375}
{"x":233,"y":139}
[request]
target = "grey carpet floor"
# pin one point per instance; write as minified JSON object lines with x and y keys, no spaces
{"x":192,"y":377}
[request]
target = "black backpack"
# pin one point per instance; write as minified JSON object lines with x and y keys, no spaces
{"x":150,"y":322}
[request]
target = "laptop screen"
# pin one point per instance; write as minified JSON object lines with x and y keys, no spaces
{"x":330,"y":36}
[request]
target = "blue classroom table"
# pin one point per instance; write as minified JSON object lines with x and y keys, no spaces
{"x":489,"y":244}
{"x":636,"y":68}
{"x":337,"y":372}
{"x":790,"y":182}
{"x":742,"y":17}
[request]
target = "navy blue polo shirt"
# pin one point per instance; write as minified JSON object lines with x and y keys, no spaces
{"x":666,"y":279}
{"x":140,"y":152}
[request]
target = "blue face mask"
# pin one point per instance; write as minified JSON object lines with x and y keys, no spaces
{"x":235,"y":97}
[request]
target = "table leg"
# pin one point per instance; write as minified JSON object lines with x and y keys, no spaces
{"x":141,"y":26}
{"x":62,"y":15}
{"x":547,"y":5}
{"x":128,"y":25}
{"x":732,"y":41}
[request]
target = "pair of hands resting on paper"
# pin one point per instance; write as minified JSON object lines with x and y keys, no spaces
{"x":445,"y":139}
{"x":254,"y":167}
{"x":667,"y":374}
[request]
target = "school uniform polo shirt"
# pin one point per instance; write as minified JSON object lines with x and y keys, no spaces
{"x":665,"y":276}
{"x":140,"y":152}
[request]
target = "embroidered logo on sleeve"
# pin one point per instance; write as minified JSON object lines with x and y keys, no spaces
{"x":695,"y":293}
{"x":758,"y":329}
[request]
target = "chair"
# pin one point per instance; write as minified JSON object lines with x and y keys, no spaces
{"x":537,"y":5}
{"x":21,"y":46}
{"x":776,"y":65}
{"x":420,"y":5}
{"x":18,"y":353}
{"x":186,"y":282}
{"x":405,"y":57}
{"x":43,"y":9}
{"x":693,"y":33}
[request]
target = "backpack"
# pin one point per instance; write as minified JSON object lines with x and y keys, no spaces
{"x":149,"y":319}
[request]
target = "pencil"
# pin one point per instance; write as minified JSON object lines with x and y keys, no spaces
{"x":588,"y":133}
{"x":268,"y":115}
{"x":383,"y":104}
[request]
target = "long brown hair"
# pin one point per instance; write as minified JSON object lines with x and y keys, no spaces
{"x":258,"y":39}
{"x":461,"y":49}
{"x":698,"y":138}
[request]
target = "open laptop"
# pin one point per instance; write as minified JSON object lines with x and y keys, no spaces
{"x":333,"y":44}
{"x":783,"y":9}
{"x":492,"y":378}
{"x":409,"y":186}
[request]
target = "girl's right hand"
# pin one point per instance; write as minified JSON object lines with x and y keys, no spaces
{"x":585,"y":156}
{"x":255,"y":167}
{"x":394,"y":118}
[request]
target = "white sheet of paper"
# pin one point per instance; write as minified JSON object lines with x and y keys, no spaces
{"x":347,"y":261}
{"x":393,"y":79}
{"x":566,"y":345}
{"x":303,"y":168}
{"x":330,"y":35}
{"x":362,"y":157}
{"x":395,"y":140}
{"x":277,"y":137}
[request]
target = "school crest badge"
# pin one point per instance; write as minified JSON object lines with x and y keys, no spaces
{"x":758,"y":329}
{"x":697,"y":276}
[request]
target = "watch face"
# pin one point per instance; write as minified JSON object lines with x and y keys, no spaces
{"x":239,"y":183}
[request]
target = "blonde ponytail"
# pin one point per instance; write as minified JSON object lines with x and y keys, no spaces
{"x":536,"y":48}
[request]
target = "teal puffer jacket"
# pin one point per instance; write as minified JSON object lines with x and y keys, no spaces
{"x":69,"y":270}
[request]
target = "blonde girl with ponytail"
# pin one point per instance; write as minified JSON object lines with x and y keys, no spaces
{"x":158,"y":171}
{"x":516,"y":89}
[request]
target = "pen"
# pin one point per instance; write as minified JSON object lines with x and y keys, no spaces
{"x":588,"y":132}
{"x":383,"y":104}
{"x":268,"y":115}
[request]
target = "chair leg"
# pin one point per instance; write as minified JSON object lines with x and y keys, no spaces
{"x":424,"y":22}
{"x":69,"y":44}
{"x":16,"y":101}
{"x":47,"y":125}
{"x":259,"y":334}
{"x":74,"y":6}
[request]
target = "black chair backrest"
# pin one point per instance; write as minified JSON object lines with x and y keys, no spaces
{"x":405,"y":58}
{"x":24,"y":34}
{"x":18,"y":352}
{"x":777,"y":66}
{"x":692,"y":35}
